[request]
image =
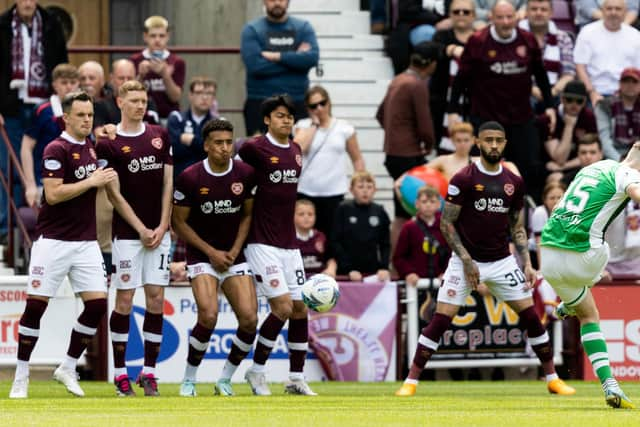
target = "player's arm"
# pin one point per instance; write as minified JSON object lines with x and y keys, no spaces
{"x":633,"y":191}
{"x":450,"y":215}
{"x":243,"y":228}
{"x":520,"y":241}
{"x":56,"y":192}
{"x":125,"y":210}
{"x":26,"y":158}
{"x":167,"y":200}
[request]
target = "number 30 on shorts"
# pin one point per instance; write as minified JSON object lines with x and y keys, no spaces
{"x":515,"y":277}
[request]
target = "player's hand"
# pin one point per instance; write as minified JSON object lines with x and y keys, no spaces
{"x":412,"y":279}
{"x":146,"y":237}
{"x":531,"y":277}
{"x":158,"y":235}
{"x":101,"y":177}
{"x":31,"y":196}
{"x":106,"y":131}
{"x":551,"y":113}
{"x":271,"y":56}
{"x":220,"y":260}
{"x":471,"y":273}
{"x":144,"y":67}
{"x":383,"y":275}
{"x":304,"y":47}
{"x":355,"y":276}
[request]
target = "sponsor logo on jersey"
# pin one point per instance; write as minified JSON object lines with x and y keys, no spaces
{"x":453,"y":190}
{"x":92,"y":153}
{"x":80,"y":172}
{"x":275,"y":176}
{"x":225,"y":207}
{"x":204,"y":191}
{"x":236,"y":188}
{"x":75,"y":156}
{"x":207,"y":207}
{"x":509,"y":189}
{"x":274,"y":160}
{"x":134,"y":166}
{"x":491,"y":204}
{"x":144,"y":163}
{"x":157,"y":143}
{"x":480,"y":205}
{"x":374,"y":221}
{"x":299,"y":159}
{"x":508,"y":68}
{"x":178,"y":195}
{"x":125,"y":149}
{"x":52,"y":164}
{"x":479,"y":187}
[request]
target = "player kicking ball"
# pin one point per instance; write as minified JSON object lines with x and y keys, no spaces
{"x":67,"y":244}
{"x":574,"y":253}
{"x":486,"y":193}
{"x":212,"y":214}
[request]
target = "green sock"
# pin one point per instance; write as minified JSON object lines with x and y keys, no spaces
{"x":596,"y":348}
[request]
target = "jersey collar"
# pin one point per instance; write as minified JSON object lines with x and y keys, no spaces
{"x":207,"y":168}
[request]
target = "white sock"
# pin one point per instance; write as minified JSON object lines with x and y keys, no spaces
{"x":551,"y":377}
{"x":258,"y":368}
{"x":117,"y":372}
{"x":228,"y":370}
{"x":69,"y":363}
{"x":22,"y":370}
{"x":190,"y":372}
{"x":296,"y":376}
{"x":410,"y":381}
{"x":149,"y":370}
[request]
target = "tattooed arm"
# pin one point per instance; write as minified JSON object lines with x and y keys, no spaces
{"x":450,"y":215}
{"x":520,"y":241}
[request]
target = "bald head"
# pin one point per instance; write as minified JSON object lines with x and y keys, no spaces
{"x":503,"y":17}
{"x":91,"y":78}
{"x":122,"y":70}
{"x":613,"y":13}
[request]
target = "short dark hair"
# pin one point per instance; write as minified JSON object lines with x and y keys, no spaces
{"x":588,"y":139}
{"x":425,"y":53}
{"x":72,"y":97}
{"x":273,"y":102}
{"x":490,"y":125}
{"x":216,"y":125}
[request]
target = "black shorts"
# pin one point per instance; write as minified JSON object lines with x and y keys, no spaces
{"x":396,"y":166}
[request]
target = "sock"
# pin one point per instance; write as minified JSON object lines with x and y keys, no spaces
{"x":428,"y":343}
{"x":242,"y":343}
{"x":269,"y":331}
{"x":198,"y":345}
{"x":28,"y":333}
{"x":84,"y":330}
{"x":119,"y":325}
{"x":152,"y":332}
{"x":538,"y":338}
{"x":297,"y":340}
{"x":596,"y":348}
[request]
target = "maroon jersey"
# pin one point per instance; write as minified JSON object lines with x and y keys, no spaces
{"x":216,"y":204}
{"x":74,"y":219}
{"x":313,"y":250}
{"x":155,"y":85}
{"x":498,"y":77}
{"x":483,"y":224}
{"x":139,"y":161}
{"x":277,"y":171}
{"x":423,"y":253}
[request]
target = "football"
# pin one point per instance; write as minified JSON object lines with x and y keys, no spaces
{"x":320,"y":293}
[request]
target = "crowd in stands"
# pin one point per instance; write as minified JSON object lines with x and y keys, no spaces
{"x":565,"y":98}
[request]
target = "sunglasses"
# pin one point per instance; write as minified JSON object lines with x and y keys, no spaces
{"x":465,"y":12}
{"x":579,"y":100}
{"x":317,"y":104}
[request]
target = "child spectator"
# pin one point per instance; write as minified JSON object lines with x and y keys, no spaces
{"x":422,"y":251}
{"x":312,"y":243}
{"x":551,"y":195}
{"x":360,"y":237}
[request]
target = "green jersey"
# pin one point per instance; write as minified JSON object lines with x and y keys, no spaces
{"x":595,"y":197}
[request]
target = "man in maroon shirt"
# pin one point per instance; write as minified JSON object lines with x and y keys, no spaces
{"x":161,"y":71}
{"x":212,"y":213}
{"x":495,"y":70}
{"x":272,"y":251}
{"x":67,"y":244}
{"x":141,"y":196}
{"x":483,"y":209}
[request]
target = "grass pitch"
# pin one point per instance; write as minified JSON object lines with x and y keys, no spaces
{"x":501,"y":404}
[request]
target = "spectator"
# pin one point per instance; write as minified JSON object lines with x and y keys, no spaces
{"x":623,"y":237}
{"x":462,"y":140}
{"x":496,"y":68}
{"x":185,"y":128}
{"x":556,"y":45}
{"x":619,"y":119}
{"x":424,"y":18}
{"x":278,"y":51}
{"x":603,"y":49}
{"x":551,"y":194}
{"x":325,"y":140}
{"x":46,"y":126}
{"x":574,"y":120}
{"x":484,"y":11}
{"x":588,"y":11}
{"x":378,"y":9}
{"x":311,"y":241}
{"x":405,"y":116}
{"x":106,"y":109}
{"x":589,"y":152}
{"x":161,"y":71}
{"x":92,"y":79}
{"x":30,"y":39}
{"x":360,"y":239}
{"x":422,"y":251}
{"x":461,"y":15}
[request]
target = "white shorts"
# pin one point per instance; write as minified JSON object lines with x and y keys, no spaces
{"x":570,"y":272}
{"x":52,"y":260}
{"x":276,"y":271}
{"x":195,"y":270}
{"x":504,"y":279}
{"x":136,"y":265}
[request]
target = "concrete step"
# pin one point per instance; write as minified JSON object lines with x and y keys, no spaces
{"x":326,"y":54}
{"x":367,"y":92}
{"x":364,"y":123}
{"x":354,"y":111}
{"x":296,"y":6}
{"x":353,"y":69}
{"x":337,"y":22}
{"x":375,"y":162}
{"x":348,"y":40}
{"x":370,"y":139}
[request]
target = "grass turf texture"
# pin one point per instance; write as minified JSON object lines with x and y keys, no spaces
{"x":501,"y":404}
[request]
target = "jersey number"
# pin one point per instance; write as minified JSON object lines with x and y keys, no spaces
{"x":577,"y":196}
{"x":515,"y":277}
{"x":164,"y":265}
{"x":300,"y":277}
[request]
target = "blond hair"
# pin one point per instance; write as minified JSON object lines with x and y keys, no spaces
{"x":363,"y":176}
{"x":131,"y":86}
{"x":155,"y":21}
{"x":462,"y":127}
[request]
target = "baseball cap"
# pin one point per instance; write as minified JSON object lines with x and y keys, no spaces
{"x":575,"y":87}
{"x":630,"y":72}
{"x":426,"y":52}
